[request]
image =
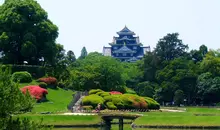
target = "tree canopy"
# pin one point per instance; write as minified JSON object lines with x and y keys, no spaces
{"x":26,"y":33}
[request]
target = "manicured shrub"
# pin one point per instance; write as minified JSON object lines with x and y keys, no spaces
{"x":43,"y":85}
{"x":115,"y":93}
{"x":102,"y":94}
{"x":152,"y":104}
{"x":111,"y":105}
{"x":92,"y":100}
{"x":94,"y":91}
{"x":108,"y":98}
{"x":37,"y":92}
{"x":50,"y":81}
{"x":118,"y":102}
{"x":130,"y":91}
{"x":87,"y":107}
{"x":22,"y":77}
{"x":132,"y":101}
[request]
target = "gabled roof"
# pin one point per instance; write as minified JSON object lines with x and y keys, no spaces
{"x":125,"y":31}
{"x":133,"y":59}
{"x":124,"y":49}
{"x":125,"y":38}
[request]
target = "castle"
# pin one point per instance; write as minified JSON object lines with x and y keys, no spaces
{"x":126,"y":47}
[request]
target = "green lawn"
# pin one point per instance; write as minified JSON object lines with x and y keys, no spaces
{"x":63,"y":119}
{"x":177,"y":119}
{"x":58,"y":99}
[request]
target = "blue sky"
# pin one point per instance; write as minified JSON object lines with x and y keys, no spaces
{"x":93,"y":23}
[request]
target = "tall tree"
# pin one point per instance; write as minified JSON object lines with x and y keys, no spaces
{"x":170,"y":47}
{"x":26,"y":33}
{"x":83,"y":53}
{"x":70,"y":56}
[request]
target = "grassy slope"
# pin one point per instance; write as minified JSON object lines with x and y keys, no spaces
{"x":58,"y":99}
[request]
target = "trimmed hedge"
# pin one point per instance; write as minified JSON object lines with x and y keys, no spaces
{"x":22,"y":77}
{"x":94,"y":91}
{"x":43,"y":85}
{"x":103,"y":94}
{"x":35,"y":71}
{"x":111,"y":106}
{"x":152,"y":104}
{"x":92,"y":100}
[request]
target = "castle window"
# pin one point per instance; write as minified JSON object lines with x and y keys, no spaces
{"x":124,"y":54}
{"x":134,"y":47}
{"x":116,"y":54}
{"x":115,"y":47}
{"x":131,"y":54}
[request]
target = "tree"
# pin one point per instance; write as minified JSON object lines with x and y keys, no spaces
{"x":70,"y":57}
{"x":96,"y":71}
{"x":211,"y":63}
{"x":26,"y":33}
{"x":178,"y":97}
{"x":83,"y":53}
{"x":13,"y":101}
{"x":170,"y":47}
{"x":198,"y":55}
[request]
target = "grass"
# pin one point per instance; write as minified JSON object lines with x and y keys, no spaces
{"x":58,"y":99}
{"x":177,"y":119}
{"x":63,"y":119}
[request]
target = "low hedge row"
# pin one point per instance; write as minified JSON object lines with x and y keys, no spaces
{"x":119,"y":101}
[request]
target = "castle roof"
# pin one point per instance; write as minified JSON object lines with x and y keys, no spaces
{"x":125,"y":31}
{"x":125,"y":38}
{"x":124,"y":49}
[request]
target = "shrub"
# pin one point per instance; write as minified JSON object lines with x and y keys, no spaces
{"x":115,"y":93}
{"x":110,"y":105}
{"x":43,"y":85}
{"x":87,"y":107}
{"x":37,"y":92}
{"x":92,"y":100}
{"x":50,"y":81}
{"x":94,"y":91}
{"x":108,"y":98}
{"x":22,"y":77}
{"x":152,"y":104}
{"x":118,"y":102}
{"x":132,"y":101}
{"x":130,"y":91}
{"x":102,"y":94}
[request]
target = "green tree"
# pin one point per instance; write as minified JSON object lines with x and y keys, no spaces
{"x":97,"y":71}
{"x":211,"y":63}
{"x":26,"y":33}
{"x":83,"y":53}
{"x":13,"y":101}
{"x":70,"y":57}
{"x":178,"y":97}
{"x":170,"y":47}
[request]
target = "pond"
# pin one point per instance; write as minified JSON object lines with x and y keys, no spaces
{"x":126,"y":127}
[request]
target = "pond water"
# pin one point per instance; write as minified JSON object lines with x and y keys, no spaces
{"x":126,"y":127}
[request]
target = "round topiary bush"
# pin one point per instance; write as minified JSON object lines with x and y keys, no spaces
{"x":92,"y":100}
{"x":102,"y":94}
{"x":50,"y":81}
{"x":111,"y":106}
{"x":94,"y":91}
{"x":22,"y":77}
{"x":43,"y":85}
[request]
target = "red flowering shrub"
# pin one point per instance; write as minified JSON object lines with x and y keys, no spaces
{"x":115,"y":92}
{"x":35,"y":91}
{"x":48,"y":80}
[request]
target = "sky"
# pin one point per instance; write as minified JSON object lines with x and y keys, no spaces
{"x":93,"y":23}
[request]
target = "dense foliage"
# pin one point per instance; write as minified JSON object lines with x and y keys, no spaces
{"x":35,"y":91}
{"x":22,"y":77}
{"x":117,"y":100}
